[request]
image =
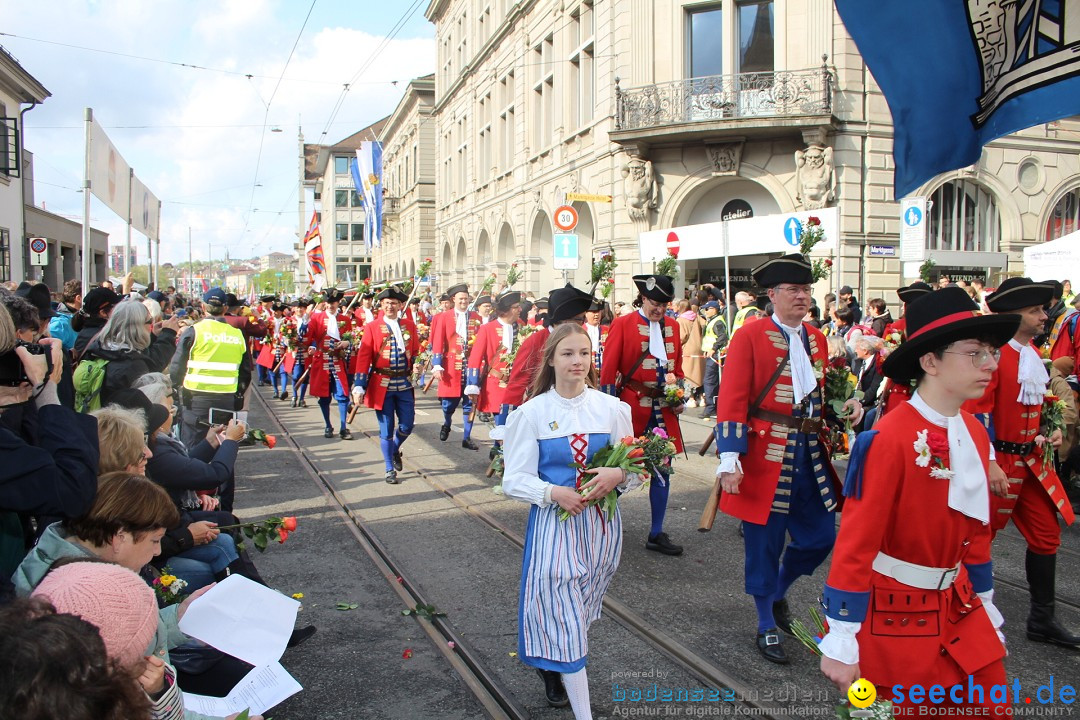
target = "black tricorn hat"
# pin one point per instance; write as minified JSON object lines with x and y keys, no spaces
{"x":303,"y":302}
{"x":268,"y":298}
{"x":394,"y":293}
{"x":506,"y":300}
{"x":793,"y":268}
{"x":597,"y":305}
{"x":1017,"y":293}
{"x":542,"y":303}
{"x":459,"y":288}
{"x":566,"y":303}
{"x":333,"y":295}
{"x":484,"y":299}
{"x":939,"y":318}
{"x":658,"y":288}
{"x":445,"y":297}
{"x":913,"y":291}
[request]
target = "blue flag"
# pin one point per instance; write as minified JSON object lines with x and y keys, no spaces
{"x":367,"y":176}
{"x":960,"y":73}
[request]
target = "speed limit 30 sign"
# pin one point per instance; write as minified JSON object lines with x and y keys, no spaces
{"x":565,"y":218}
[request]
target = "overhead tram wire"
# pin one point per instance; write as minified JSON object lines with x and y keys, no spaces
{"x":406,"y":16}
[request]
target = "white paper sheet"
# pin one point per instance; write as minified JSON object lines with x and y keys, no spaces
{"x":244,"y":619}
{"x":259,"y":691}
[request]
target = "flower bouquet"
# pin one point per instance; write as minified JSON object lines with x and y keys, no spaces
{"x":812,"y":234}
{"x":669,"y":265}
{"x":288,"y":335}
{"x":674,"y":396}
{"x":513,"y":275}
{"x":636,"y":456}
{"x":840,"y":386}
{"x":260,"y":436}
{"x":274,"y":528}
{"x":168,"y":587}
{"x":1053,"y":418}
{"x":604,"y":268}
{"x":523,"y":332}
{"x":421,"y":272}
{"x":606,"y":287}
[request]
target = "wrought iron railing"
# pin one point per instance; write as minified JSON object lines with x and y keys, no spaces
{"x":722,"y":97}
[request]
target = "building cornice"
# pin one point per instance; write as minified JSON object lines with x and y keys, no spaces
{"x":22,"y":85}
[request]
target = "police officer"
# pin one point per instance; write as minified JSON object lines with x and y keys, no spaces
{"x":713,"y":343}
{"x":212,"y":366}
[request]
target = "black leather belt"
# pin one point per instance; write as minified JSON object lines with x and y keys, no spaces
{"x":1011,"y":448}
{"x":810,"y":426}
{"x":391,"y":373}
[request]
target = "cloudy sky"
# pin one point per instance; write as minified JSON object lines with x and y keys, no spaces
{"x":201,"y":139}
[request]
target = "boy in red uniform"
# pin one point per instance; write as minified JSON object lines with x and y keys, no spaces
{"x":452,"y":337}
{"x":598,"y":333}
{"x":494,"y":341}
{"x":775,"y":473}
{"x":909,"y":598}
{"x":386,"y":356}
{"x":1027,"y":489}
{"x":641,"y":357}
{"x":328,"y":376}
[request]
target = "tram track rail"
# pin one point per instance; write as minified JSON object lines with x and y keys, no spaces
{"x":495,"y":698}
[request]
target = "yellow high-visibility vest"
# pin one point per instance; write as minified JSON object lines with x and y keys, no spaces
{"x":214,"y":361}
{"x":740,"y":317}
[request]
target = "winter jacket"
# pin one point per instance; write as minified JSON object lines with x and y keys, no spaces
{"x":127,"y":366}
{"x":60,"y":326}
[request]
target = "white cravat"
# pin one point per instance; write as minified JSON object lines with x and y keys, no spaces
{"x":507,"y":335}
{"x":969,"y":491}
{"x":594,"y":336}
{"x":656,"y":339}
{"x":332,"y":326}
{"x":461,"y":317}
{"x":395,"y":328}
{"x":1032,"y":375}
{"x":803,"y":381}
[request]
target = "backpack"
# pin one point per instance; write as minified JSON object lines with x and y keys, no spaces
{"x":89,"y":378}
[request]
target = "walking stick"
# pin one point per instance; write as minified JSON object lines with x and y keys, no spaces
{"x":707,"y":444}
{"x":429,"y":383}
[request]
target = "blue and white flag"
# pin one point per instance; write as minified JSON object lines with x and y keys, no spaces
{"x":367,"y":177}
{"x":960,"y":73}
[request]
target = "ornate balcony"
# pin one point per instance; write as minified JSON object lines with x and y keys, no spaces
{"x":722,"y":105}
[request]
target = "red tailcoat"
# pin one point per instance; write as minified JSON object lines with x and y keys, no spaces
{"x":273,"y":349}
{"x":529,"y":357}
{"x":909,"y":635}
{"x":627,"y":339}
{"x":454,"y":350}
{"x":320,"y":356}
{"x":895,"y":394}
{"x":754,"y":353}
{"x":488,"y":351}
{"x":298,"y":352}
{"x":1060,"y":342}
{"x":1011,"y":421}
{"x":375,"y":353}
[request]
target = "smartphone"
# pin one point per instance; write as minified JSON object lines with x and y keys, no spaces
{"x":221,"y":417}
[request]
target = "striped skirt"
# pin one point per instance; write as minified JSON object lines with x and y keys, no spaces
{"x":566,"y":570}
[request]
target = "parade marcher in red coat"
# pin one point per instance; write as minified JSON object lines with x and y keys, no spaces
{"x":895,"y":394}
{"x":642,"y":356}
{"x":909,"y":598}
{"x":296,"y":361}
{"x":1026,"y":488}
{"x":383,"y":366}
{"x":494,"y":342}
{"x":263,"y":314}
{"x":566,"y":304}
{"x":329,"y":375}
{"x":1060,"y":326}
{"x":452,"y":338}
{"x":598,"y":333}
{"x":775,"y":472}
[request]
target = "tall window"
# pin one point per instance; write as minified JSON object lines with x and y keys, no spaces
{"x":448,"y":63}
{"x":462,"y":158}
{"x":341,"y":232}
{"x":1065,"y":217}
{"x":463,"y":42}
{"x":706,"y":42}
{"x":357,"y":233}
{"x":582,"y":71}
{"x":341,"y":164}
{"x":963,"y":216}
{"x":356,"y":199}
{"x":756,"y":46}
{"x":5,"y":255}
{"x":506,"y":122}
{"x":483,"y":147}
{"x":341,"y":198}
{"x":543,"y":94}
{"x":484,"y":23}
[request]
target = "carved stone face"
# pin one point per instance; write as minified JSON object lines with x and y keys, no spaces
{"x":815,"y":156}
{"x":638,"y":171}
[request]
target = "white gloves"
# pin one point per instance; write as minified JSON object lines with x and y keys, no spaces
{"x":357,"y":394}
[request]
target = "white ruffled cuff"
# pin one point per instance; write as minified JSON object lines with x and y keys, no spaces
{"x":471,"y":390}
{"x":729,"y":462}
{"x":547,"y":495}
{"x":632,"y":482}
{"x":840,"y":642}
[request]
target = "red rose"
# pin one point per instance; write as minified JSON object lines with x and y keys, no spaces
{"x":283,"y":535}
{"x":289,"y":523}
{"x":938,"y":444}
{"x":838,"y":362}
{"x":812,"y":221}
{"x":271,"y":441}
{"x":828,"y":263}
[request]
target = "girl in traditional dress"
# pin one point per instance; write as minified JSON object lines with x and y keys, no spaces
{"x":568,"y":564}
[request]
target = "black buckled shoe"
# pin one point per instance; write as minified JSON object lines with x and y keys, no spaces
{"x":345,"y":434}
{"x":391,"y":477}
{"x":553,"y":688}
{"x":303,"y":403}
{"x":396,"y":460}
{"x":782,"y":615}
{"x":469,"y":444}
{"x":444,"y":432}
{"x":771,"y":646}
{"x":294,"y":402}
{"x":328,"y":433}
{"x":284,"y":394}
{"x":662,"y":544}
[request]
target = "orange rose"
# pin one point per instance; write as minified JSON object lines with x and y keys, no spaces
{"x":289,"y":523}
{"x":283,"y":534}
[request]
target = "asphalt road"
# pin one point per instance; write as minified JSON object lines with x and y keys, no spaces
{"x":356,"y":665}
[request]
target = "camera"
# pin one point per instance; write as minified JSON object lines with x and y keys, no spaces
{"x":12,"y":372}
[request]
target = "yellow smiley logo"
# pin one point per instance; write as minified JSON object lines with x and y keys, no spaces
{"x":862,"y":693}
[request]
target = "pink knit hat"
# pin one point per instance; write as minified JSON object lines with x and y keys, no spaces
{"x":112,"y":598}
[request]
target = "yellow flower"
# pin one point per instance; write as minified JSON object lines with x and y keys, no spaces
{"x":167,"y":580}
{"x":298,"y":596}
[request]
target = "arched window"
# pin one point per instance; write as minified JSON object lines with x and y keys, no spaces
{"x":963,"y":216}
{"x":1065,"y":217}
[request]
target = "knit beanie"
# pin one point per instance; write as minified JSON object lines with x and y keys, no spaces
{"x":112,"y":598}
